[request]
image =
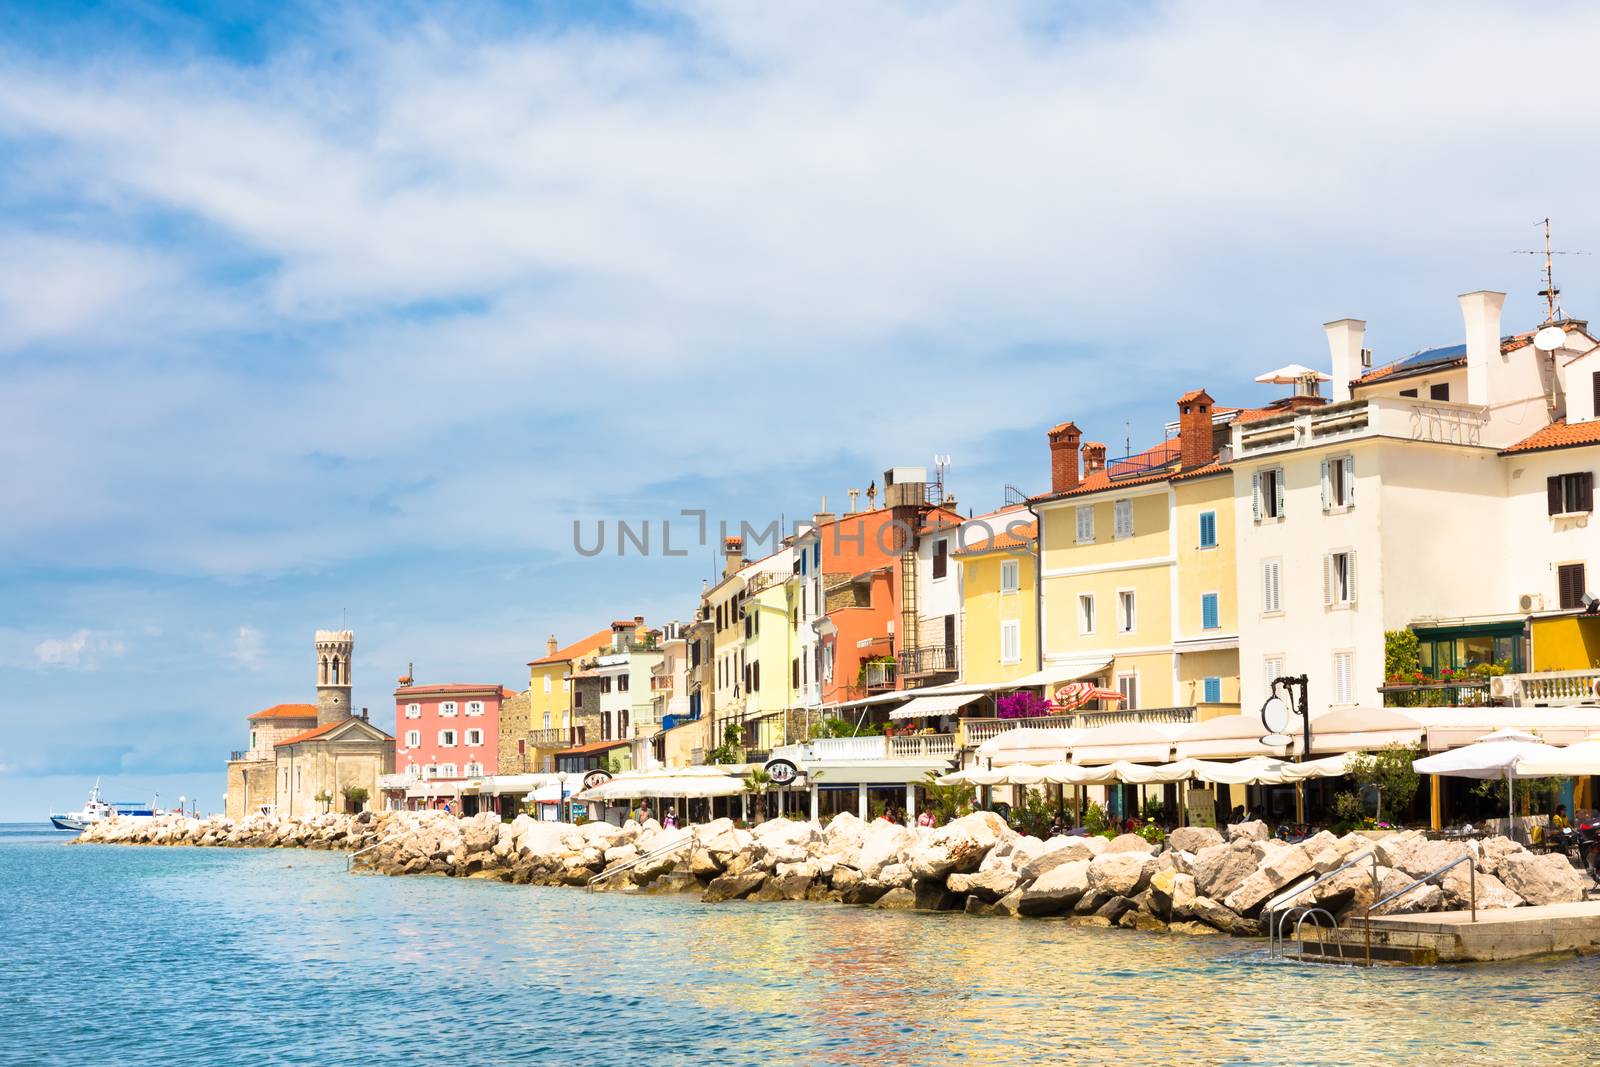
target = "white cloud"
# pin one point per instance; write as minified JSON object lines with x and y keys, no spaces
{"x":248,"y":647}
{"x":80,"y":651}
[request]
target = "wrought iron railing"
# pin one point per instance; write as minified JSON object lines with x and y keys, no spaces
{"x":877,"y":675}
{"x":929,"y":659}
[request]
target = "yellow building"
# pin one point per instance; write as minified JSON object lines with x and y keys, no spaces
{"x":529,"y":742}
{"x":999,"y":608}
{"x":1138,"y":580}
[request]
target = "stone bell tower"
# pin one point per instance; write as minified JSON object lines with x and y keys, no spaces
{"x":334,"y":651}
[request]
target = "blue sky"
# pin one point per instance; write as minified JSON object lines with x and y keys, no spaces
{"x":328,"y":313}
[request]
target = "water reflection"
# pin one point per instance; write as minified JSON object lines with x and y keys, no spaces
{"x":282,"y":956}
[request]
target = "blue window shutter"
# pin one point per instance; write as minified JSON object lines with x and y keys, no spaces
{"x":1213,"y":690}
{"x":1208,"y":611}
{"x":1208,"y":529}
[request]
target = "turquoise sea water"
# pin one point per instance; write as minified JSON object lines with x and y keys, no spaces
{"x":117,"y":955}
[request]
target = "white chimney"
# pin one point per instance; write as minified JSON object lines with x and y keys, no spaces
{"x":1481,"y":311}
{"x":1344,"y":344}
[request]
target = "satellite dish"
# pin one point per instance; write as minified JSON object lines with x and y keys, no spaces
{"x":1275,"y":716}
{"x":1550,"y":338}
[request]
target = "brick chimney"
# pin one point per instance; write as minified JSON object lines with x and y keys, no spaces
{"x":1196,"y":445}
{"x":550,"y":645}
{"x":1094,"y":457}
{"x":732,"y":555}
{"x":1064,"y":457}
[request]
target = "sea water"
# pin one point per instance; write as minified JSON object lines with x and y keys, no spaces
{"x":127,"y":955}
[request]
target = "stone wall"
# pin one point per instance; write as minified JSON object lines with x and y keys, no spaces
{"x":251,"y":784}
{"x":515,"y":726}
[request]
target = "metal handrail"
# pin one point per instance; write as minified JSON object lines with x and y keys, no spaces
{"x":628,"y":865}
{"x":1275,"y":925}
{"x":1472,"y":874}
{"x":1322,"y":942}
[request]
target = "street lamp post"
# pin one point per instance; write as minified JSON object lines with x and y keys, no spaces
{"x":1277,"y":716}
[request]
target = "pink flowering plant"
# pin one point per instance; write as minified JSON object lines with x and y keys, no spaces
{"x":1021,"y":705}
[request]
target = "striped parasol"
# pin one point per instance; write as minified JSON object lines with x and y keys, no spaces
{"x":1075,"y":695}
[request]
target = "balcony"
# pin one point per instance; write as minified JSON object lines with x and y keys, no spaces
{"x":929,"y":659}
{"x":555,"y":738}
{"x":1402,"y":418}
{"x":1547,"y":689}
{"x":975,"y":732}
{"x":922,"y":746}
{"x":877,"y":675}
{"x":870,"y":748}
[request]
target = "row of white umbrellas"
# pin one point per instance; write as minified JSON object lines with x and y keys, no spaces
{"x":1257,"y":770}
{"x":1508,"y":754}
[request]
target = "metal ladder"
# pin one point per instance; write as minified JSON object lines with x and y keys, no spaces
{"x":1278,"y":911}
{"x":1472,"y":875}
{"x":628,"y":865}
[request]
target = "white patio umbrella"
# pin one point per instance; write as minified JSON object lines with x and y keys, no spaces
{"x":1495,"y":756}
{"x":1570,"y":762}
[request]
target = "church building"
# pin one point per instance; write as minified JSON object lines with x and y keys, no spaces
{"x":299,"y":752}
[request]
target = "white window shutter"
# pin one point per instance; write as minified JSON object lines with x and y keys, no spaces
{"x":1327,"y":579}
{"x":1277,"y":492}
{"x":1350,"y":575}
{"x":1255,"y":495}
{"x":1349,"y":481}
{"x":1327,"y":487}
{"x":1266,"y":586}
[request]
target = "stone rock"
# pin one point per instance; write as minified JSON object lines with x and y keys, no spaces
{"x":882,"y":843}
{"x":896,"y":875}
{"x":959,"y":846}
{"x":1142,"y":920}
{"x":1091,"y":902}
{"x":1129,"y":843}
{"x":988,"y":886}
{"x":1278,"y":871}
{"x":1393,"y":848}
{"x":1122,"y":873}
{"x":703,"y":864}
{"x":1221,"y":869}
{"x":1494,"y":851}
{"x":1009,"y":904}
{"x":843,"y":834}
{"x":1209,"y":911}
{"x":1193,"y":838}
{"x":978,"y":906}
{"x":1256,"y":830}
{"x":899,"y":899}
{"x":846,"y":878}
{"x":1060,"y":850}
{"x":1056,"y":890}
{"x":1114,"y":908}
{"x":783,"y":887}
{"x":1172,"y":892}
{"x":1088,"y":920}
{"x":934,"y":896}
{"x":1546,"y":879}
{"x":734,"y":886}
{"x":1195,"y":929}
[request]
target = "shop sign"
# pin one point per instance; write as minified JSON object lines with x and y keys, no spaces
{"x":594,"y":778}
{"x":782,"y":771}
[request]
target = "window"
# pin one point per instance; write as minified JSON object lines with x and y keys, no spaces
{"x":605,"y":726}
{"x":622,"y":724}
{"x":1085,"y":523}
{"x":566,"y":685}
{"x":794,"y":673}
{"x":1086,"y":613}
{"x":755,"y":677}
{"x":1126,"y":619}
{"x":941,"y":558}
{"x":1571,"y":494}
{"x":605,"y":684}
{"x":430,"y":771}
{"x":1011,"y":641}
{"x":448,"y":709}
{"x":1122,"y":518}
{"x":577,"y":699}
{"x":1594,"y":382}
{"x":1339,"y":578}
{"x":413,"y":738}
{"x":1212,"y":690}
{"x":1274,"y":668}
{"x":474,"y":770}
{"x":474,"y":738}
{"x":1128,"y":686}
{"x":1439,"y":392}
{"x":1271,"y":586}
{"x":547,"y":683}
{"x":1010,"y":581}
{"x":547,"y":720}
{"x":413,"y":711}
{"x":413,"y":770}
{"x":1208,"y":612}
{"x":622,"y":683}
{"x":1338,"y":483}
{"x":1266,"y":491}
{"x":447,"y":770}
{"x":1409,"y":392}
{"x":447,"y":738}
{"x":1208,"y":529}
{"x":474,"y":707}
{"x":1343,"y":677}
{"x":1570,"y":584}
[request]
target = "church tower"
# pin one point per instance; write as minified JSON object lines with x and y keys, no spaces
{"x":334,"y":651}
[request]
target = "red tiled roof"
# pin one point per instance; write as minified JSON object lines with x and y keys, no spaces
{"x":576,"y":649}
{"x":309,"y":734}
{"x":1193,"y":394}
{"x":287,"y":711}
{"x":1558,"y":434}
{"x":1024,"y":536}
{"x":1201,"y":472}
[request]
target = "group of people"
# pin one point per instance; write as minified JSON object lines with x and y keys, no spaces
{"x":643,"y":814}
{"x":900,"y":817}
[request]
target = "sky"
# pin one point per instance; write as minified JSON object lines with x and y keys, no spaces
{"x":319,"y":315}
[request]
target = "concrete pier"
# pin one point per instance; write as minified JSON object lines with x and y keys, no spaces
{"x":1453,"y":936}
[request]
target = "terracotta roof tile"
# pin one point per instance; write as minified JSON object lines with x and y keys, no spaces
{"x":592,"y":746}
{"x":1558,"y":434}
{"x":577,"y":648}
{"x":309,"y":734}
{"x":1201,"y":472}
{"x":1003,"y":539}
{"x":287,"y":711}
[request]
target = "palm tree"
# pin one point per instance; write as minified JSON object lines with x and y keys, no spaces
{"x":758,"y":781}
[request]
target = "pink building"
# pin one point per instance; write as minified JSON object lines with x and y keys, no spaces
{"x":445,"y":735}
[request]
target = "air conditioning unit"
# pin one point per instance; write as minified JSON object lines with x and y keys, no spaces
{"x":1530,"y":602}
{"x":1366,"y":358}
{"x":1502,"y":687}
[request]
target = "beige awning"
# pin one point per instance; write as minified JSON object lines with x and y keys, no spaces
{"x":1363,"y":729}
{"x":943,"y":704}
{"x":1448,"y":728}
{"x":1027,"y":744}
{"x":1062,"y":672}
{"x":1136,"y":742}
{"x":1226,"y":736}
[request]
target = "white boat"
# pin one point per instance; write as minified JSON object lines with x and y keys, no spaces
{"x":97,"y":810}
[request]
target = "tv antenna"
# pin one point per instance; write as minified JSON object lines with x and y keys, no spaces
{"x":1552,"y":295}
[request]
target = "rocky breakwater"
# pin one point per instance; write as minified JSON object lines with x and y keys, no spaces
{"x":331,"y":831}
